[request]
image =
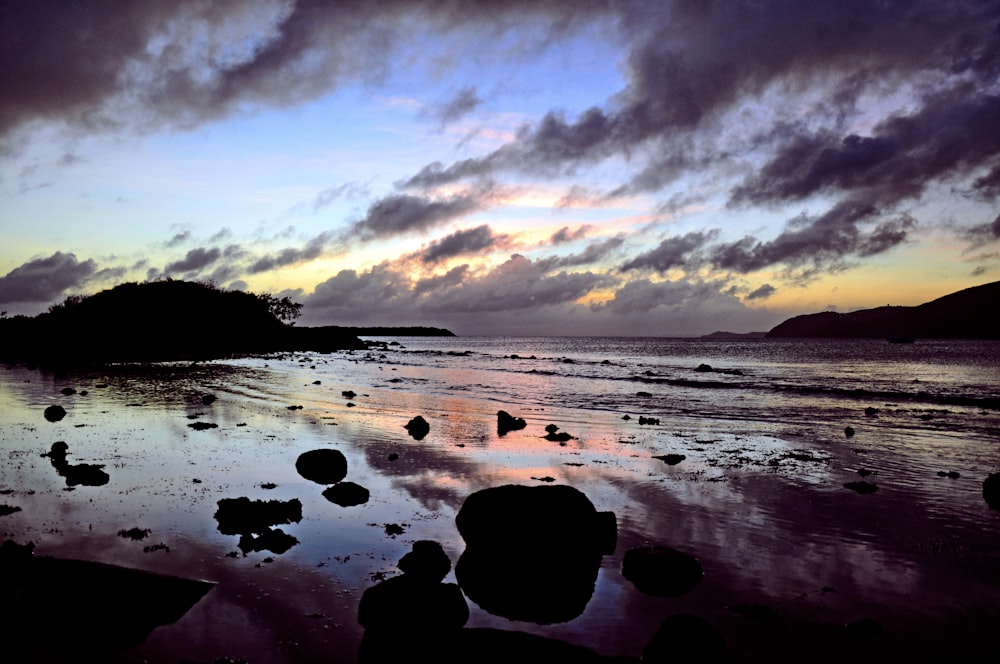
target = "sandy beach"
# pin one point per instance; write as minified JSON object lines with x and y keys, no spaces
{"x":796,"y":566}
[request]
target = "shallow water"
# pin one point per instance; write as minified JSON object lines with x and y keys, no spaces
{"x":759,"y":498}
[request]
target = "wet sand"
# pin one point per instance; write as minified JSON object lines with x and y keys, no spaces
{"x":795,"y":565}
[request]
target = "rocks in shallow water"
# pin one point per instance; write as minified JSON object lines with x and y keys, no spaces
{"x":661,"y":571}
{"x":348,"y":394}
{"x":861,"y":487}
{"x":507,"y":422}
{"x":323,"y":466}
{"x":704,"y":368}
{"x":643,"y":394}
{"x":532,"y":552}
{"x":848,"y":431}
{"x":201,"y":426}
{"x":950,"y":474}
{"x":871,"y":412}
{"x":85,"y":474}
{"x":274,"y":540}
{"x":68,"y":391}
{"x":55,"y":413}
{"x":555,"y":435}
{"x":208,"y":399}
{"x":418,"y":427}
{"x":991,"y":490}
{"x":671,"y":459}
{"x":6,"y":510}
{"x":346,"y":494}
{"x":648,"y":420}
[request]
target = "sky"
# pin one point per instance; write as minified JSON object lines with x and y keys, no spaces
{"x":551,"y":168}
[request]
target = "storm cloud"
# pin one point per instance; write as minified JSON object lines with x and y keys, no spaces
{"x":468,"y":241}
{"x":45,"y":279}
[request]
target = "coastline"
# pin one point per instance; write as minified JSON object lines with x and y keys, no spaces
{"x":760,"y":504}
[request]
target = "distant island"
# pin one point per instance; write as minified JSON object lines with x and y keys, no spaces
{"x":172,"y":320}
{"x":723,"y":336}
{"x":973,"y":313}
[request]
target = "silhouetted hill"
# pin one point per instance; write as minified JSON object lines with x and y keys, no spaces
{"x":973,"y":313}
{"x":159,"y":321}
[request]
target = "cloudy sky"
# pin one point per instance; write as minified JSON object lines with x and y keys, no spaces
{"x":521,"y":167}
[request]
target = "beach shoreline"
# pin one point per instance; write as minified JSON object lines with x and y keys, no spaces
{"x":761,"y":505}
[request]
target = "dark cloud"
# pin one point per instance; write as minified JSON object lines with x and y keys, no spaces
{"x":464,"y":102}
{"x":564,"y":234}
{"x":313,"y":249}
{"x":983,"y":233}
{"x":45,"y":279}
{"x":194,"y":261}
{"x":675,"y":251}
{"x":643,"y":295}
{"x":761,"y":293}
{"x":468,"y":241}
{"x":450,"y":279}
{"x":104,"y":65}
{"x":817,"y":242}
{"x":955,"y":133}
{"x":595,"y":252}
{"x":403,"y":213}
{"x":178,"y":239}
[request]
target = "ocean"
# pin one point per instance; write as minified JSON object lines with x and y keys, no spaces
{"x":770,"y":431}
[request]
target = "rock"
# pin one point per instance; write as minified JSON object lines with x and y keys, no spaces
{"x":643,"y":394}
{"x":240,"y":516}
{"x":558,"y":437}
{"x":648,"y":420}
{"x":861,"y":487}
{"x":507,"y":422}
{"x":346,"y":494}
{"x":418,"y":427}
{"x":551,"y":428}
{"x":532,"y":552}
{"x":671,"y":459}
{"x":704,"y":368}
{"x":871,"y":412}
{"x":55,"y":413}
{"x":848,"y":431}
{"x":201,"y":426}
{"x":413,"y":617}
{"x":274,"y":540}
{"x":6,"y":510}
{"x":991,"y":490}
{"x":661,"y":571}
{"x":626,"y":417}
{"x":323,"y":466}
{"x":392,"y":457}
{"x":684,"y":637}
{"x":208,"y":399}
{"x":348,"y":394}
{"x":68,"y":391}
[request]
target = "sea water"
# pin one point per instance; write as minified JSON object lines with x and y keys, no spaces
{"x":759,"y":499}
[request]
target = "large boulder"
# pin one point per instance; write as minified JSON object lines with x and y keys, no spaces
{"x":661,"y":570}
{"x":323,"y":466}
{"x":532,"y":552}
{"x":346,"y":494}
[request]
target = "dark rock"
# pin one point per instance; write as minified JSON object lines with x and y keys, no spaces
{"x":240,"y":516}
{"x":413,"y":617}
{"x":951,"y":474}
{"x":348,"y":394}
{"x":393,"y":456}
{"x":643,"y":394}
{"x":684,"y":637}
{"x":661,"y":571}
{"x":418,"y":427}
{"x":208,"y":399}
{"x":848,"y":431}
{"x":864,"y":472}
{"x":6,"y":510}
{"x":136,"y":534}
{"x":648,"y":420}
{"x":991,"y":490}
{"x":55,"y":413}
{"x":626,"y":417}
{"x":346,"y":494}
{"x":870,"y":412}
{"x":68,"y":391}
{"x":507,"y":422}
{"x":704,"y":368}
{"x":551,"y":428}
{"x":532,"y":552}
{"x":861,"y":487}
{"x":81,"y":474}
{"x":274,"y":540}
{"x":671,"y":459}
{"x":323,"y":466}
{"x":201,"y":426}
